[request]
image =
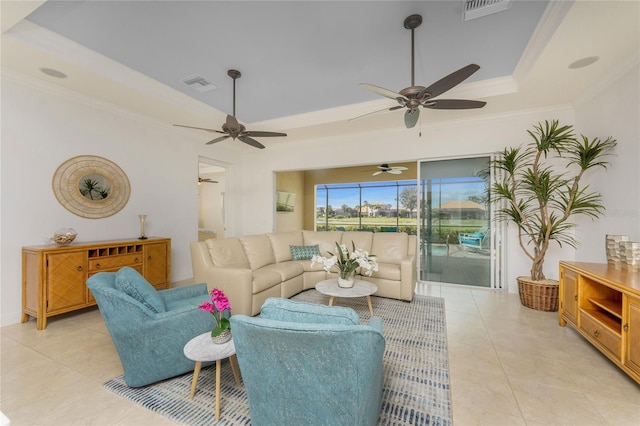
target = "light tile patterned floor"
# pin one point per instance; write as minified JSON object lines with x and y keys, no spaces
{"x":509,"y":365}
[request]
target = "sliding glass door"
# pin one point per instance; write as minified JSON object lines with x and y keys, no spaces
{"x":455,"y":236}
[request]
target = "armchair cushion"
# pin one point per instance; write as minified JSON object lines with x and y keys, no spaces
{"x":301,"y":312}
{"x":129,"y":281}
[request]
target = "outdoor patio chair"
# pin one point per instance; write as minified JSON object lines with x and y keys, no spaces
{"x":475,"y":240}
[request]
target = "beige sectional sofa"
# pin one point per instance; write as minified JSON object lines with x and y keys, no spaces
{"x":252,"y":268}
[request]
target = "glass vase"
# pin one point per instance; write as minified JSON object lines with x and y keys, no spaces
{"x":346,"y":278}
{"x":142,"y":218}
{"x":223,"y":337}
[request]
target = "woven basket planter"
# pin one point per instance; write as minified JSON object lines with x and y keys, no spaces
{"x":538,"y":295}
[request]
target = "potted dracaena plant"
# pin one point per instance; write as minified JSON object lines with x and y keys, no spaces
{"x":541,"y":191}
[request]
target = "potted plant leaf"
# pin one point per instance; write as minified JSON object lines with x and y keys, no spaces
{"x":540,"y":192}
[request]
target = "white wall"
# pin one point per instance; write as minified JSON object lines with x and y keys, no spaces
{"x":613,"y":111}
{"x":44,"y":126}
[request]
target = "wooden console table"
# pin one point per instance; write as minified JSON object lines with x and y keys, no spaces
{"x":54,"y":277}
{"x":603,"y":304}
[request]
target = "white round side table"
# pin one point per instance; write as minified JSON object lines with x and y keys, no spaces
{"x":202,"y":349}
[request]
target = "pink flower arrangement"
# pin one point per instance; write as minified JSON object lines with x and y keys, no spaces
{"x":218,"y":305}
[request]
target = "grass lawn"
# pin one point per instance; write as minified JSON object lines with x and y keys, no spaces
{"x":439,"y":231}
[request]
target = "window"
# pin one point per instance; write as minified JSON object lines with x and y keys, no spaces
{"x":369,"y":206}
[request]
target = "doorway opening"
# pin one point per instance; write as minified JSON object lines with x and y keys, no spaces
{"x":211,"y":199}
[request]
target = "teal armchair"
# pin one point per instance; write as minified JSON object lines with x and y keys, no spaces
{"x":150,"y":328}
{"x":307,"y":364}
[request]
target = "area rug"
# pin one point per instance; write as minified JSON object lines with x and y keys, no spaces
{"x":416,"y":371}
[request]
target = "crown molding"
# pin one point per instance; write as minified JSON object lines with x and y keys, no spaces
{"x":551,"y":19}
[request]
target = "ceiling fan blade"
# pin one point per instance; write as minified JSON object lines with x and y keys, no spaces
{"x":199,"y":128}
{"x":220,"y":139}
{"x":381,"y":91}
{"x":450,"y":81}
{"x":249,"y":141}
{"x":394,"y":172}
{"x":376,"y":112}
{"x":263,"y":134}
{"x":454,"y":104}
{"x":411,"y":117}
{"x":399,"y":168}
{"x":377,"y":173}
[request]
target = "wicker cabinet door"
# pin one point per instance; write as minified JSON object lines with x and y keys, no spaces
{"x":66,"y":278}
{"x":632,"y":332}
{"x":156,"y":264}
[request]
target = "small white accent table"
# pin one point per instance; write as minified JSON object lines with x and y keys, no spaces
{"x":201,"y":348}
{"x":360,"y":289}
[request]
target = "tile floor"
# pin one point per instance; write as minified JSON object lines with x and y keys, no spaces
{"x":509,"y":365}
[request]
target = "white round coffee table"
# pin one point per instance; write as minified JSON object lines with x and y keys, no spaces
{"x":202,"y":349}
{"x":360,"y":289}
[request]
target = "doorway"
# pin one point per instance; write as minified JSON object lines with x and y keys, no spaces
{"x":211,"y":199}
{"x":455,"y":233}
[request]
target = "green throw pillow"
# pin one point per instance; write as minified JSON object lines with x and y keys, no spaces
{"x":304,"y":252}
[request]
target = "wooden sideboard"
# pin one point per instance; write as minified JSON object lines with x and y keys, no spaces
{"x":54,"y":277}
{"x":603,"y":304}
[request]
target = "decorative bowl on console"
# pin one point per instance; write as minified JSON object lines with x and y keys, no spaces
{"x":64,"y":236}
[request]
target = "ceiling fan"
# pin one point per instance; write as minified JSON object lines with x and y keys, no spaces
{"x":414,"y":97}
{"x":205,"y":180}
{"x":232,"y":129}
{"x":385,"y":168}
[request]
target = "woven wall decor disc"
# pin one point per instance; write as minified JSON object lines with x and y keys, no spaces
{"x":69,"y":178}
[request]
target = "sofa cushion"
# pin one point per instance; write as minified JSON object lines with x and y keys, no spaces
{"x":301,"y":312}
{"x":258,"y":250}
{"x":264,"y":279}
{"x":227,"y":252}
{"x":388,"y":271}
{"x":304,"y":252}
{"x":390,"y":247}
{"x":326,"y":241}
{"x":362,"y":240}
{"x":287,"y":270}
{"x":280,"y":243}
{"x":129,"y":281}
{"x":307,"y":265}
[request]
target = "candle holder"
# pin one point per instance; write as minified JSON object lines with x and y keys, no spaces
{"x":142,"y":218}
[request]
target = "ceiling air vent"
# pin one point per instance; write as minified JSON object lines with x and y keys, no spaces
{"x":199,"y":83}
{"x":478,"y":8}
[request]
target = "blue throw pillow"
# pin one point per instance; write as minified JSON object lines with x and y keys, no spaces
{"x":304,"y":252}
{"x":129,"y":281}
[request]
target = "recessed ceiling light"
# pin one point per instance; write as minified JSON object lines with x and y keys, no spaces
{"x":584,"y":62}
{"x":53,"y":73}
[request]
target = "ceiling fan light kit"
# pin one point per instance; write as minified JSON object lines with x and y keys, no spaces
{"x":232,"y":128}
{"x":414,"y":97}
